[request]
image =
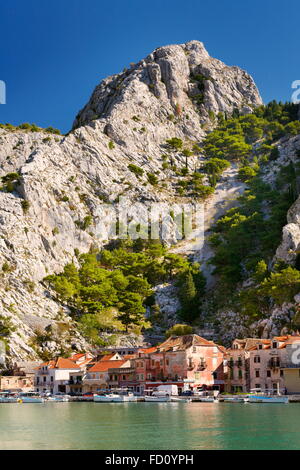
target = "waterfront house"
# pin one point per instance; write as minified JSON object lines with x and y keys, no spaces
{"x":85,"y":361}
{"x":255,"y":363}
{"x":188,"y":361}
{"x":56,"y":376}
{"x":99,"y":376}
{"x":16,"y":383}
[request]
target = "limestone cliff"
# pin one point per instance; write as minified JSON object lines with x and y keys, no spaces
{"x":65,"y":182}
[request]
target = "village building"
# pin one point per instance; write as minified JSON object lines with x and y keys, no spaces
{"x":255,"y":363}
{"x":20,"y":377}
{"x":187,"y":361}
{"x":16,"y":383}
{"x":104,"y":375}
{"x":120,"y":350}
{"x":57,"y":376}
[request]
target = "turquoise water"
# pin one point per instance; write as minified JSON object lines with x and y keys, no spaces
{"x":153,"y":426}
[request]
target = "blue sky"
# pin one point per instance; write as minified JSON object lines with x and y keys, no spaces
{"x":54,"y":52}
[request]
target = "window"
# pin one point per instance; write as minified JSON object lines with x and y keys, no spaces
{"x":274,"y":345}
{"x":260,"y":346}
{"x":268,"y":373}
{"x":257,"y":359}
{"x":281,"y":373}
{"x":257,"y":373}
{"x":240,"y":374}
{"x":215,"y":375}
{"x":123,"y":377}
{"x":257,"y":385}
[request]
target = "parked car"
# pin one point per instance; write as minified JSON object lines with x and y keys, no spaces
{"x":187,"y":393}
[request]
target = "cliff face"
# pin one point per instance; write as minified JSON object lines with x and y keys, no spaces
{"x":290,"y":245}
{"x":66,"y":181}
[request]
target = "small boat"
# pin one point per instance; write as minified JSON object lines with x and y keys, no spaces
{"x":268,"y":399}
{"x":108,"y":398}
{"x":234,"y":400}
{"x":30,"y":397}
{"x":206,"y":399}
{"x":154,"y":399}
{"x":267,"y":396}
{"x":6,"y":397}
{"x":58,"y":398}
{"x":181,"y":400}
{"x":87,"y":397}
{"x":130,"y":397}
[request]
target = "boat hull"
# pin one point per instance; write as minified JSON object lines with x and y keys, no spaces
{"x":32,"y":400}
{"x":124,"y":399}
{"x":234,"y":400}
{"x":152,"y":399}
{"x":9,"y":400}
{"x":105,"y":398}
{"x":261,"y":399}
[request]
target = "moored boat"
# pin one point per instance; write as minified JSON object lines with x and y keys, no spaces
{"x":154,"y":399}
{"x":267,"y":396}
{"x":268,"y":399}
{"x":206,"y":399}
{"x":181,"y":400}
{"x":30,"y":397}
{"x":126,"y":398}
{"x":234,"y":400}
{"x":6,"y":397}
{"x":58,"y":398}
{"x":108,"y":398}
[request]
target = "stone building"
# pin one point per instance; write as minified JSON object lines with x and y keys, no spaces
{"x":187,"y":361}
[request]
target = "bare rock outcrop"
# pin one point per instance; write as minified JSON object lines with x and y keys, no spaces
{"x":66,"y":182}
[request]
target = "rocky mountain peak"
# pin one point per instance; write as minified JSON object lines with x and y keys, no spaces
{"x":57,"y":187}
{"x":176,"y":87}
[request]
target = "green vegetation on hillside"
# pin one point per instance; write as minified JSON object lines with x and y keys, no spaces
{"x":110,"y":289}
{"x":26,"y":127}
{"x":246,"y":237}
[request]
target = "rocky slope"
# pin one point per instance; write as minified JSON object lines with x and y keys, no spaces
{"x":67,"y":181}
{"x":232,"y":324}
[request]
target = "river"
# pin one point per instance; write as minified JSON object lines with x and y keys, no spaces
{"x":152,"y":426}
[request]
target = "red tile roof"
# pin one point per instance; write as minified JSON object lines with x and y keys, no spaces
{"x":108,"y":357}
{"x":60,"y":363}
{"x":181,"y":343}
{"x":148,"y":350}
{"x":103,"y":366}
{"x":76,"y":356}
